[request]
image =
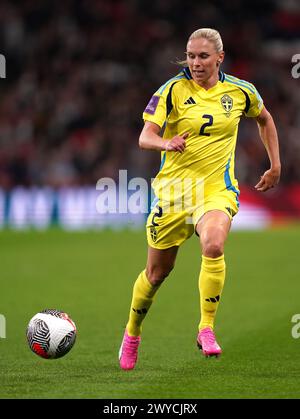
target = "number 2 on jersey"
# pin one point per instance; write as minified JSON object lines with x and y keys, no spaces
{"x":206,"y":124}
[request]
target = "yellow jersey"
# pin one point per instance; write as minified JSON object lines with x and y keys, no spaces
{"x":211,"y":117}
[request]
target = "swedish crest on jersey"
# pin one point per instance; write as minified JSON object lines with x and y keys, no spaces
{"x":153,"y":233}
{"x":227,"y":102}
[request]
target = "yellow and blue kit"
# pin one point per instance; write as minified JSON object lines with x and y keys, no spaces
{"x":203,"y":175}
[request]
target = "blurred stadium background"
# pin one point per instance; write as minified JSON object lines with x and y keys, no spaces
{"x":78,"y":77}
{"x":80,"y":73}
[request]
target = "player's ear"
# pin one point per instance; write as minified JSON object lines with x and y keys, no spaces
{"x":220,"y":58}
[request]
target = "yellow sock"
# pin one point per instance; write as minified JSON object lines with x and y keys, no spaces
{"x":211,"y":282}
{"x":142,"y":298}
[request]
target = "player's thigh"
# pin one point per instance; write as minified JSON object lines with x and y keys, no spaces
{"x":218,"y":210}
{"x":162,"y":257}
{"x":213,"y":229}
{"x":160,"y":263}
{"x":215,"y":221}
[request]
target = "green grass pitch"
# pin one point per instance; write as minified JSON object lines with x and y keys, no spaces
{"x":90,"y":276}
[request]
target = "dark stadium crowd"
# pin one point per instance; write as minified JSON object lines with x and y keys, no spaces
{"x":80,"y":73}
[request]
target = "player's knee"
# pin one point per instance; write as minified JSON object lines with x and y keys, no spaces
{"x":157,"y":274}
{"x":213,"y":248}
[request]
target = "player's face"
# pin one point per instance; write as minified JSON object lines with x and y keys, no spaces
{"x":203,"y":59}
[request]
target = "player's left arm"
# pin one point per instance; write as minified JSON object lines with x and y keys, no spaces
{"x":269,"y":137}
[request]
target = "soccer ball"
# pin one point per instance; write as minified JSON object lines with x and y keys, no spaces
{"x":51,"y":333}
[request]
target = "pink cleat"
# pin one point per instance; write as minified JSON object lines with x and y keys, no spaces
{"x":128,"y":352}
{"x":206,"y":341}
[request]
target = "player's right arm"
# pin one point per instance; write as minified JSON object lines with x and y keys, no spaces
{"x":151,"y":140}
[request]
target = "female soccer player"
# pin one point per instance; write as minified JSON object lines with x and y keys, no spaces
{"x":198,"y":111}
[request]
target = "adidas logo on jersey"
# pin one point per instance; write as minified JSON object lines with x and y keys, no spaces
{"x":190,"y":101}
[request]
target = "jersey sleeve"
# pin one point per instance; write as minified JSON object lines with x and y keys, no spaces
{"x":255,"y":103}
{"x":160,"y":105}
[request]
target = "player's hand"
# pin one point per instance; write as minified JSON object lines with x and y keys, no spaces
{"x":268,"y":180}
{"x":177,"y":143}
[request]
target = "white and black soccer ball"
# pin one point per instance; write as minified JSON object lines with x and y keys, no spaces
{"x":51,"y":333}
